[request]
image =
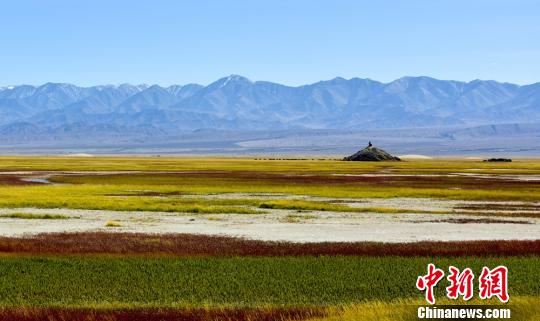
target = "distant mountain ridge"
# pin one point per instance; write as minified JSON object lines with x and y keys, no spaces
{"x":237,"y":103}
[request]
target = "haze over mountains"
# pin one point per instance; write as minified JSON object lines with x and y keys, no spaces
{"x":65,"y":112}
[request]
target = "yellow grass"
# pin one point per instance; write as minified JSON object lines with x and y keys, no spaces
{"x":522,"y":309}
{"x":126,"y":192}
{"x":113,"y":224}
{"x":31,"y":216}
{"x":523,"y":166}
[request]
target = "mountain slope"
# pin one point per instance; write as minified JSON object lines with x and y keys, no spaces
{"x":237,"y":103}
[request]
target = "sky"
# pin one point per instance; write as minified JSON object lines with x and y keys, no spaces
{"x":292,"y":42}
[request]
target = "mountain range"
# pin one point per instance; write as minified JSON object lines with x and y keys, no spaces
{"x":235,"y":102}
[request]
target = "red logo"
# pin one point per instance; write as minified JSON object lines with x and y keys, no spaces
{"x":494,"y":283}
{"x":429,"y":281}
{"x":491,"y":283}
{"x":460,"y":283}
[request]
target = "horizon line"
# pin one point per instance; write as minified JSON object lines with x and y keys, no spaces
{"x":11,"y":86}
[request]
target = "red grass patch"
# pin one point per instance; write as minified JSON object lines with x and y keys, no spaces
{"x":64,"y":314}
{"x":415,"y":181}
{"x":192,"y":245}
{"x":15,"y":180}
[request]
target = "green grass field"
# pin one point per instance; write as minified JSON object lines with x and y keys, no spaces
{"x":235,"y":281}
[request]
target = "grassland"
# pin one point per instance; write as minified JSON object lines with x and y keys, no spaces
{"x":236,"y":164}
{"x":117,"y":276}
{"x":161,"y":314}
{"x":231,"y":282}
{"x":522,"y":308}
{"x":174,"y":184}
{"x":181,"y":245}
{"x":102,"y":196}
{"x":185,"y":196}
{"x":183,"y":189}
{"x":449,"y":187}
{"x":104,"y":276}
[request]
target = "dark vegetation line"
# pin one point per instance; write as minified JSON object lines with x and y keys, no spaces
{"x":398,"y":180}
{"x":65,"y":314}
{"x":204,"y":245}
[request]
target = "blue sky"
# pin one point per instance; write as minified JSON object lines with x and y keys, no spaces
{"x":291,"y":42}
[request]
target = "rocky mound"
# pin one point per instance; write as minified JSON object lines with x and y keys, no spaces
{"x":498,"y":160}
{"x":372,"y":154}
